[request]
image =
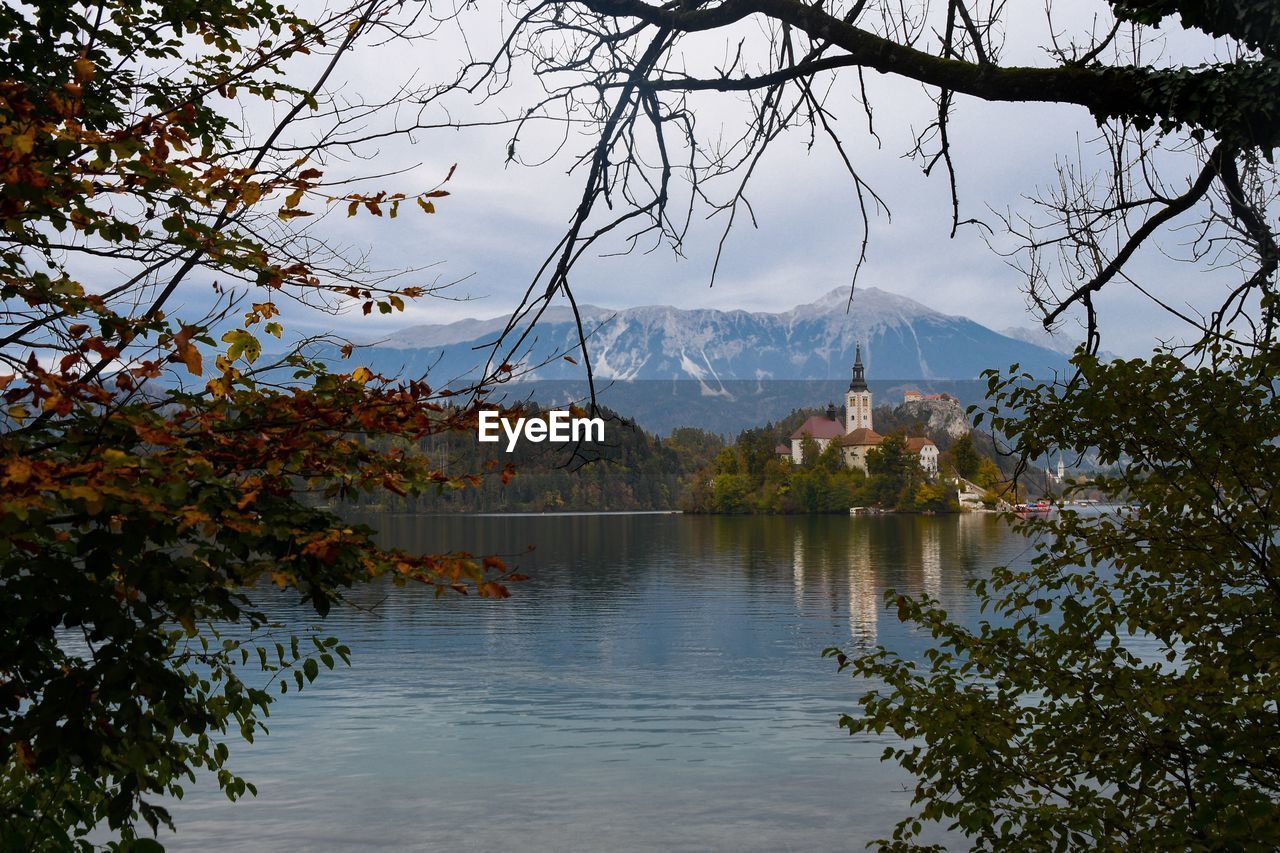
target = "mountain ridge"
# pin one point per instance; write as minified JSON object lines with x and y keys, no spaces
{"x":900,"y":339}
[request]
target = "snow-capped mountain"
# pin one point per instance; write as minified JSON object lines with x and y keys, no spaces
{"x":1058,"y":342}
{"x":1063,"y":341}
{"x":901,"y":339}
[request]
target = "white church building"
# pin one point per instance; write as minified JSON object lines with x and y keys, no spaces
{"x":856,"y":435}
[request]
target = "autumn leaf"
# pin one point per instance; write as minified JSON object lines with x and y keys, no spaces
{"x":112,"y":456}
{"x":26,"y":755}
{"x":18,"y":472}
{"x":24,"y":143}
{"x":87,"y":495}
{"x":219,"y":387}
{"x":57,"y":404}
{"x":153,"y":435}
{"x":242,"y":344}
{"x":187,"y":351}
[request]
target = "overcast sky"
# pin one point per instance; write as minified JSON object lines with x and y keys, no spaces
{"x":501,"y":221}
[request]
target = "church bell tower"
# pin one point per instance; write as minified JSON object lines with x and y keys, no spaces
{"x":858,"y":400}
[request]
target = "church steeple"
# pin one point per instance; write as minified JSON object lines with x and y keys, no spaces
{"x":859,"y":382}
{"x":857,"y":399}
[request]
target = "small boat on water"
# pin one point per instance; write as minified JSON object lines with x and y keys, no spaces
{"x":1036,"y":508}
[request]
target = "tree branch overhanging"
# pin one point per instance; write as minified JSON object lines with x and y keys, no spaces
{"x":783,"y":58}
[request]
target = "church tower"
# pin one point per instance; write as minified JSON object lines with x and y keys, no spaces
{"x":858,"y":401}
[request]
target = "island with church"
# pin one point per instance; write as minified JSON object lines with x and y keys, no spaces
{"x":924,"y":458}
{"x":857,"y":435}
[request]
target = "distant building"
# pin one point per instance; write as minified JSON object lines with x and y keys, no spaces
{"x":857,"y":400}
{"x":911,"y":397}
{"x":856,"y":435}
{"x":857,"y":443}
{"x":927,"y":451}
{"x":823,"y":430}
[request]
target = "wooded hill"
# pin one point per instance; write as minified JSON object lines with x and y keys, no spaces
{"x":631,"y":470}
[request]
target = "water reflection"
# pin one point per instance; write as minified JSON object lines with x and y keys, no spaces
{"x":864,"y":600}
{"x":656,"y":684}
{"x":931,"y":558}
{"x":797,"y":569}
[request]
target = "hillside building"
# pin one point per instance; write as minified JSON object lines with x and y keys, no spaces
{"x":927,"y":451}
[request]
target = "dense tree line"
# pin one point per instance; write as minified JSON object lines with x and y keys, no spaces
{"x":631,"y":470}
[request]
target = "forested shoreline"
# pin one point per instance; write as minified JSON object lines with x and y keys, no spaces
{"x":750,"y":477}
{"x":631,"y":470}
{"x":697,"y":471}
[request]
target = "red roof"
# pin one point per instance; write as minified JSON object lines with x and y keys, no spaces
{"x":819,"y":426}
{"x":862,"y":437}
{"x":915,"y":445}
{"x":782,"y":450}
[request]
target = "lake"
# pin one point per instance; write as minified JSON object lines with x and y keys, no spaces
{"x":656,"y":685}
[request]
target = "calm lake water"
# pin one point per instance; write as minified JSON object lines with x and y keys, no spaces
{"x":656,"y":685}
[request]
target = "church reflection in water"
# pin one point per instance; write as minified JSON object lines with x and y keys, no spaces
{"x":832,"y":569}
{"x":865,"y":599}
{"x":797,"y":568}
{"x":931,"y":559}
{"x":842,"y":566}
